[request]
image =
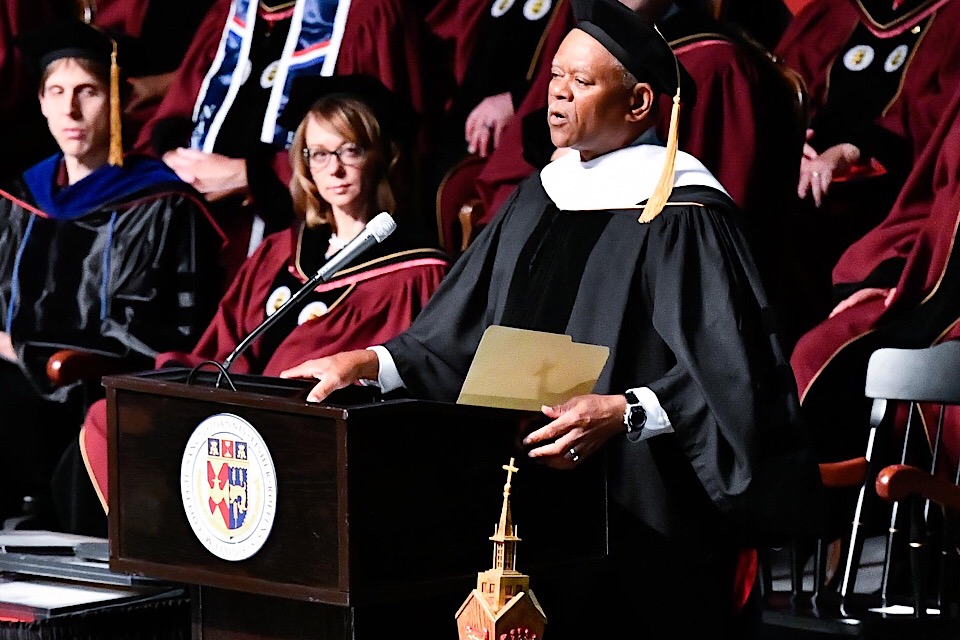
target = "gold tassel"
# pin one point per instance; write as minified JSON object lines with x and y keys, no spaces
{"x":116,"y":136}
{"x":658,"y":199}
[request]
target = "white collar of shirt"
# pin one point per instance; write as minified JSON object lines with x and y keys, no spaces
{"x":621,"y":178}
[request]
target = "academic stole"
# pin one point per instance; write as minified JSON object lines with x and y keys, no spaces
{"x":311,"y":48}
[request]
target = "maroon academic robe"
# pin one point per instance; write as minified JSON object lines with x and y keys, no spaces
{"x":369,"y":302}
{"x":479,"y":49}
{"x":815,"y":42}
{"x":911,"y":250}
{"x":452,"y":28}
{"x":451,"y":32}
{"x":881,"y":85}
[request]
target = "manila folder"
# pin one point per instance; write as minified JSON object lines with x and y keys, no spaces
{"x":522,"y":369}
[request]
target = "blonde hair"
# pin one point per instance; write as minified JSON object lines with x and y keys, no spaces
{"x":355,"y":122}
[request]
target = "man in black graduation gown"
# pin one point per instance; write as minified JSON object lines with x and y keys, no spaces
{"x":695,"y":409}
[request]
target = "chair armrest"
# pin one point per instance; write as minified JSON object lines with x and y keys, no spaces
{"x":469,"y":213}
{"x":847,"y":473}
{"x":899,"y":481}
{"x":68,"y":366}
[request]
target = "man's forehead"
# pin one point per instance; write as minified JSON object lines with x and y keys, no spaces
{"x":580,"y":49}
{"x":68,"y":70}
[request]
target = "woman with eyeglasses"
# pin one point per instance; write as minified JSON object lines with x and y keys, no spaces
{"x":345,"y":161}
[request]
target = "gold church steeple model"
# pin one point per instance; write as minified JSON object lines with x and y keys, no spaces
{"x":502,"y":604}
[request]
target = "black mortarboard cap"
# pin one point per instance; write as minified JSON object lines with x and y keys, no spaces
{"x":65,"y":38}
{"x":396,"y":119}
{"x":632,"y":40}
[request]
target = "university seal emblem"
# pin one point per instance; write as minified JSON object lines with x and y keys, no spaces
{"x":228,"y":484}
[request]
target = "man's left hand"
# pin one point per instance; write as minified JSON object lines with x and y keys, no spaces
{"x":579,"y":428}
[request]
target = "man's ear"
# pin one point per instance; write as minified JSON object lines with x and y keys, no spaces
{"x":642,"y":101}
{"x":43,"y":104}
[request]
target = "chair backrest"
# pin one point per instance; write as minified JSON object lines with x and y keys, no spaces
{"x":913,"y":463}
{"x":915,"y":375}
{"x":457,"y":191}
{"x":897,"y":561}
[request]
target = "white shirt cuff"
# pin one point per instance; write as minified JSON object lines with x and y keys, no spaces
{"x":388,"y":378}
{"x":658,"y":421}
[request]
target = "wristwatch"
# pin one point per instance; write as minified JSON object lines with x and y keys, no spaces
{"x":635,"y":415}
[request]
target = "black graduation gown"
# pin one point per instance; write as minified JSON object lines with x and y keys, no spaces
{"x":680,"y":306}
{"x":133,"y":276}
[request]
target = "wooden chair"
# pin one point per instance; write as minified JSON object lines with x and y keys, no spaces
{"x":907,"y":501}
{"x":458,"y":205}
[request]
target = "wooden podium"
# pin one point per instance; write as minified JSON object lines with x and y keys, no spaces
{"x":383,"y":507}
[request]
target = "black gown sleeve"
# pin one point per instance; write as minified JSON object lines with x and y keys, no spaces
{"x":710,"y":395}
{"x":434,"y":354}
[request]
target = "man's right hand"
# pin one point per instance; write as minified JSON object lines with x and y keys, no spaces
{"x":862,"y":295}
{"x":336,"y":371}
{"x":214,"y":175}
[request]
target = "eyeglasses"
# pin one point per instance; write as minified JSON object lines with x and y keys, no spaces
{"x":349,"y":155}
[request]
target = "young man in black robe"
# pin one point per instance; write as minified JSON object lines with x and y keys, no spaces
{"x":98,"y":252}
{"x":620,"y":244}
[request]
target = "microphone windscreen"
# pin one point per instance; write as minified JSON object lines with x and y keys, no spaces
{"x":381,"y":226}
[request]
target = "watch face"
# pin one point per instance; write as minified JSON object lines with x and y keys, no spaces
{"x":637,"y":417}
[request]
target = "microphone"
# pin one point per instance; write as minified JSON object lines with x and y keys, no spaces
{"x":374,"y":232}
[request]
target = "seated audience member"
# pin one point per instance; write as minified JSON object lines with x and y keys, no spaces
{"x":345,"y":157}
{"x":897,"y":286}
{"x":218,"y":125}
{"x":634,"y":246}
{"x":880,"y":75}
{"x":98,"y":252}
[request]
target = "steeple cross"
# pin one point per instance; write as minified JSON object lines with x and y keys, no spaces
{"x":510,"y":469}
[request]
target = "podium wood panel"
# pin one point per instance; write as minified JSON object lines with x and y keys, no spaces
{"x":377,"y":502}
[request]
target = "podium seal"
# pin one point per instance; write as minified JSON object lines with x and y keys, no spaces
{"x":228,"y":484}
